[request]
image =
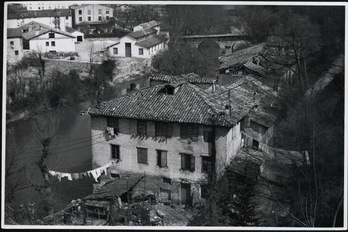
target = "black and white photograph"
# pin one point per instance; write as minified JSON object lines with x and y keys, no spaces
{"x":160,"y":115}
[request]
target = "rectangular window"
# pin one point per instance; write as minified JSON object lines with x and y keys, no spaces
{"x":141,"y":127}
{"x":113,"y":122}
{"x":189,"y":131}
{"x":163,"y":129}
{"x":207,"y":164}
{"x":80,"y":19}
{"x":207,"y":136}
{"x":107,"y":12}
{"x":204,"y":191}
{"x":89,"y":12}
{"x":16,"y":53}
{"x":99,"y":18}
{"x":115,"y":151}
{"x":188,"y":162}
{"x":99,"y":11}
{"x":67,"y":17}
{"x":47,"y":44}
{"x":141,"y":51}
{"x":142,"y":155}
{"x":89,"y":18}
{"x":12,"y":43}
{"x":161,"y":158}
{"x":51,"y":35}
{"x":53,"y":44}
{"x":165,"y":195}
{"x":167,"y":180}
{"x":115,"y":51}
{"x":80,"y":12}
{"x":107,"y":17}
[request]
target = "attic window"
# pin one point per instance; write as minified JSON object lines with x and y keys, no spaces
{"x":51,"y":35}
{"x":168,"y":89}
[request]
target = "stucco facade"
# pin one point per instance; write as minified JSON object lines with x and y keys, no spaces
{"x":60,"y":43}
{"x":91,"y":13}
{"x":134,"y":49}
{"x":128,"y":142}
{"x":14,"y":50}
{"x":64,"y":21}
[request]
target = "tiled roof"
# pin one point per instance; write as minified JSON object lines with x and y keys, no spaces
{"x":142,"y":33}
{"x":240,"y":57}
{"x":191,"y":78}
{"x":152,"y":41}
{"x":14,"y":32}
{"x":70,"y":29}
{"x":38,"y":29}
{"x":39,"y":13}
{"x":189,"y":104}
{"x":152,"y":23}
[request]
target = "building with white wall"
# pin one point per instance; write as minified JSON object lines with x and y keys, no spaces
{"x":14,"y":45}
{"x":141,"y":43}
{"x":88,"y":13}
{"x":46,"y":5}
{"x":59,"y":18}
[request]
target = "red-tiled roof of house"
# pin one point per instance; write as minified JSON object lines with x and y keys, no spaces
{"x":142,"y":33}
{"x":14,"y":32}
{"x":191,"y":78}
{"x":241,"y":57}
{"x":188,"y":105}
{"x":152,"y":41}
{"x":39,"y":14}
{"x":36,"y":29}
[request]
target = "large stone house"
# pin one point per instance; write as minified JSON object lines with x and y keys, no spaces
{"x":175,"y":131}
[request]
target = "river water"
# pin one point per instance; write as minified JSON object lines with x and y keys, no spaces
{"x":70,"y":151}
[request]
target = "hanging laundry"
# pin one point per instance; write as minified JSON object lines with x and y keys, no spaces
{"x":59,"y":175}
{"x":67,"y":175}
{"x":75,"y":176}
{"x":53,"y":173}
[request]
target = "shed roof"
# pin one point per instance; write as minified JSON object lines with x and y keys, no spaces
{"x":241,"y":57}
{"x":191,"y":78}
{"x":152,"y":41}
{"x":142,"y":33}
{"x":116,"y":187}
{"x":39,"y":14}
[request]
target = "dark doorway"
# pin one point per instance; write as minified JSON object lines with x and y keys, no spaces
{"x":79,"y":38}
{"x":128,"y":50}
{"x":186,"y":194}
{"x":255,"y":144}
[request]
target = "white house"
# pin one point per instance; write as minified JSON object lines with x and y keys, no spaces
{"x":58,"y":18}
{"x":152,"y":24}
{"x":79,"y":36}
{"x":141,"y":44}
{"x":90,"y":13}
{"x":46,"y":5}
{"x":14,"y":45}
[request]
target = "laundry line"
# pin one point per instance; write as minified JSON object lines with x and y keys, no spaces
{"x":95,"y":173}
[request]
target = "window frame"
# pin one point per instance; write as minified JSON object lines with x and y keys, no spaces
{"x":163,"y":129}
{"x":12,"y":43}
{"x":47,"y":44}
{"x":16,"y":52}
{"x":139,"y":159}
{"x":187,"y":162}
{"x":89,"y":18}
{"x":80,"y":18}
{"x":207,"y":136}
{"x":100,"y":11}
{"x":140,"y":124}
{"x":189,"y":131}
{"x":205,"y":167}
{"x":80,"y":12}
{"x":51,"y":35}
{"x":159,"y":155}
{"x":113,"y":122}
{"x":53,"y":43}
{"x":99,"y":18}
{"x":118,"y":152}
{"x":141,"y":51}
{"x":115,"y":49}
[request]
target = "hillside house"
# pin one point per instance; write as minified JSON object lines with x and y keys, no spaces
{"x":79,"y":36}
{"x":37,"y":37}
{"x":92,"y":18}
{"x":46,"y":5}
{"x":139,"y":43}
{"x":55,"y":18}
{"x":175,"y":131}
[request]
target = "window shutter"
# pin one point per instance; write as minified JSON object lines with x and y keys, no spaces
{"x":163,"y":159}
{"x":170,"y":130}
{"x":192,"y":163}
{"x":182,"y":161}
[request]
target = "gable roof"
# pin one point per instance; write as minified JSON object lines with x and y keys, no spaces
{"x":152,"y":23}
{"x":191,"y":78}
{"x":39,"y":14}
{"x":152,"y":41}
{"x":83,"y":5}
{"x":142,"y":33}
{"x":70,"y":29}
{"x":187,"y":105}
{"x":38,"y":29}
